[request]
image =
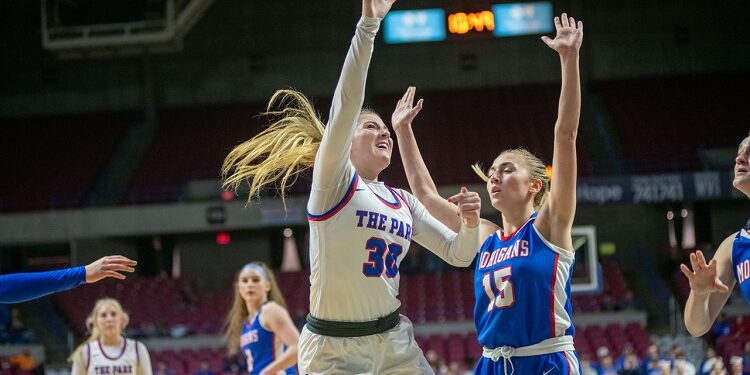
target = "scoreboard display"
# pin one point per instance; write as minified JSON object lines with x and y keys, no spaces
{"x":479,"y":22}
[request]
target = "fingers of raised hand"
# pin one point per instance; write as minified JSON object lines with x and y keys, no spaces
{"x":701,"y":258}
{"x":564,"y":19}
{"x":695,"y":261}
{"x":558,"y":25}
{"x":686,"y":271}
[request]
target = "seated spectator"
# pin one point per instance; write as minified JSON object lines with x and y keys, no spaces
{"x":626,"y":350}
{"x":735,"y":365}
{"x":605,"y":366}
{"x":235,"y":364}
{"x":586,"y":368}
{"x":708,"y":362}
{"x":681,"y":366}
{"x":651,"y":362}
{"x":434,"y":360}
{"x":718,"y":367}
{"x":722,"y":327}
{"x":204,"y":370}
{"x":163,"y":369}
{"x":631,"y":365}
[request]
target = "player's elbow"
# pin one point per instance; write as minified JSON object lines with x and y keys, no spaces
{"x":696,"y":330}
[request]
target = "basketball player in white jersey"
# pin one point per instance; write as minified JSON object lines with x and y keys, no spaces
{"x":106,"y":351}
{"x":360,"y":228}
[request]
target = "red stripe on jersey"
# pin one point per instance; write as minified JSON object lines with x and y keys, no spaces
{"x":340,"y":205}
{"x":400,"y":196}
{"x":552,"y":295}
{"x":508,"y":237}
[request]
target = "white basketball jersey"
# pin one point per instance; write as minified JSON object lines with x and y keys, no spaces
{"x":355,"y":251}
{"x":109,"y":361}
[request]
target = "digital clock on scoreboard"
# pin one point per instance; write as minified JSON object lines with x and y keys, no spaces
{"x":499,"y":20}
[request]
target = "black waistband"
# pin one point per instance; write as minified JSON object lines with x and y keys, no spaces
{"x":352,"y":329}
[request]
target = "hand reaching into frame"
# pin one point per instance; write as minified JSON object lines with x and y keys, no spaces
{"x":109,"y":266}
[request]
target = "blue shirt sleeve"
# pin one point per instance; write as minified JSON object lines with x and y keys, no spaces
{"x":21,"y":287}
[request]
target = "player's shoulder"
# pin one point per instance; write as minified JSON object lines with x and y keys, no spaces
{"x":272,"y":307}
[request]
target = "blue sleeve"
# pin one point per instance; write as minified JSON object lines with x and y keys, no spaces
{"x":21,"y":287}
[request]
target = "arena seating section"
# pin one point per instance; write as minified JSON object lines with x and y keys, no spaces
{"x":450,"y":300}
{"x":52,"y":162}
{"x":190,"y":143}
{"x":705,"y":111}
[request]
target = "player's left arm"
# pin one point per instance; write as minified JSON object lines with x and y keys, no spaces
{"x":144,"y":360}
{"x":556,"y":216}
{"x":458,"y":249}
{"x":277,"y":320}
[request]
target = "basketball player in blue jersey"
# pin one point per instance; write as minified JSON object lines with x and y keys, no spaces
{"x":360,"y":228}
{"x":259,"y":325}
{"x":711,"y":283}
{"x":522,"y":278}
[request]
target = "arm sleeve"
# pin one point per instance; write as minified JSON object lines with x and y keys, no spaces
{"x":144,"y":360}
{"x":21,"y":287}
{"x":333,"y":170}
{"x":458,"y":249}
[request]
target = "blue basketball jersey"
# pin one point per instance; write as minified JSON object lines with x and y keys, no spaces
{"x":741,"y":262}
{"x":522,"y":289}
{"x":259,"y":346}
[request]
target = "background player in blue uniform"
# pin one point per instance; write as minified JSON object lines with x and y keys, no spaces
{"x":259,"y":325}
{"x":711,"y":283}
{"x":20,"y":287}
{"x":522,"y":279}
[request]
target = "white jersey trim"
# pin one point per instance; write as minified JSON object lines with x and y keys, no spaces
{"x":569,"y":254}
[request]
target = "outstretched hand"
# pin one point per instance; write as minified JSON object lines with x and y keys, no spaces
{"x":376,"y":8}
{"x":569,"y":35}
{"x":702,"y":278}
{"x":469,"y":203}
{"x":406,"y":111}
{"x":109,"y":266}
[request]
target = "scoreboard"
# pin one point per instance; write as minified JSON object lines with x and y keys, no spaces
{"x":479,"y":22}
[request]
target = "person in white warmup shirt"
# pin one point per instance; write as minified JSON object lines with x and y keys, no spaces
{"x":360,"y":228}
{"x":106,"y":351}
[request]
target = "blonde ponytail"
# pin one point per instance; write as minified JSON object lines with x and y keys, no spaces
{"x":280,"y":152}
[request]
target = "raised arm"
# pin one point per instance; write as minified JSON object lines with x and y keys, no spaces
{"x":333,"y":154}
{"x":420,"y":180}
{"x":559,"y":211}
{"x":710,"y":287}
